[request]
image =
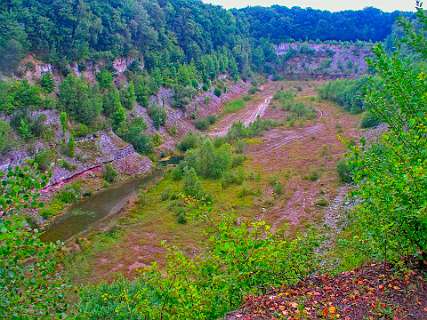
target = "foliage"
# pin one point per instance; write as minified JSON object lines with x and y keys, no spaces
{"x":391,"y":175}
{"x":111,"y":102}
{"x":217,"y":92}
{"x":44,"y":159}
{"x":192,"y":186}
{"x":105,"y":79}
{"x":158,"y":115}
{"x":128,"y":96}
{"x":109,"y":174}
{"x":80,"y":101}
{"x":208,"y":161}
{"x":240,"y":259}
{"x":347,"y":93}
{"x":234,"y":106}
{"x":369,"y":120}
{"x":63,"y":119}
{"x":190,"y":141}
{"x":19,"y":189}
{"x":19,"y":96}
{"x":238,"y":129}
{"x":6,"y":137}
{"x":204,"y":123}
{"x":47,"y":83}
{"x":31,"y":285}
{"x":133,"y":133}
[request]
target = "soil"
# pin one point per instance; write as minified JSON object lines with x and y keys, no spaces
{"x":371,"y":292}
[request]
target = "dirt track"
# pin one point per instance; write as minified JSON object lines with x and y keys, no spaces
{"x":254,"y":109}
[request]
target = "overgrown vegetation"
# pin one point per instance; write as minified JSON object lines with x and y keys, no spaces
{"x":389,"y":220}
{"x":30,"y":281}
{"x":349,"y":94}
{"x":240,"y":259}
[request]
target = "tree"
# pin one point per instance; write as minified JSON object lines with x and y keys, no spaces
{"x":80,"y":101}
{"x":111,"y":102}
{"x":119,"y":116}
{"x":105,"y":79}
{"x":391,"y":175}
{"x":158,"y":115}
{"x":47,"y":83}
{"x":128,"y":96}
{"x":63,"y":118}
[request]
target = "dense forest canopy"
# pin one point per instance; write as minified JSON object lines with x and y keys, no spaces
{"x":280,"y":23}
{"x":166,"y":31}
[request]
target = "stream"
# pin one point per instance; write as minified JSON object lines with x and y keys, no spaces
{"x":85,"y":214}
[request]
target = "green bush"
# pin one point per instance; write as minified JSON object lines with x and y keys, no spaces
{"x":192,"y":186}
{"x":230,"y":178}
{"x":202,"y":124}
{"x":313,"y":175}
{"x":158,"y":115}
{"x":218,"y":92}
{"x":133,"y":133}
{"x":349,"y":94}
{"x":234,"y":106}
{"x":110,"y":174}
{"x":47,"y":83}
{"x":344,"y":171}
{"x":6,"y":137}
{"x":44,"y":159}
{"x":69,"y":194}
{"x":369,"y":120}
{"x":238,"y":129}
{"x":190,"y":141}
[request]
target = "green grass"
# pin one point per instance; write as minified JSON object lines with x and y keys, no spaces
{"x":234,"y":106}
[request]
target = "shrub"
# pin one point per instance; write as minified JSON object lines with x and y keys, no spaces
{"x":347,"y":93}
{"x":80,"y":101}
{"x":344,"y":171}
{"x":314,"y":175}
{"x":277,"y":187}
{"x":217,"y":92}
{"x":158,"y":115}
{"x":181,"y":216}
{"x":6,"y":137}
{"x":44,"y":159}
{"x":202,"y":124}
{"x":230,"y":178}
{"x":66,"y":165}
{"x":238,"y":160}
{"x":253,"y":90}
{"x":47,"y":83}
{"x":109,"y":174}
{"x":190,"y":141}
{"x":369,"y":120}
{"x":69,"y":194}
{"x":133,"y":133}
{"x":192,"y":185}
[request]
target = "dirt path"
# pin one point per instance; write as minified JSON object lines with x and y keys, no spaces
{"x":254,"y":109}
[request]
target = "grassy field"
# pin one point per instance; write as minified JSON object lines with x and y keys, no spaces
{"x":234,"y":105}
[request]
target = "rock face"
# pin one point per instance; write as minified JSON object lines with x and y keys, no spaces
{"x":322,"y":60}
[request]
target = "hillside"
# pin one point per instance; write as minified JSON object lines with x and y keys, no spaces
{"x":169,"y":159}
